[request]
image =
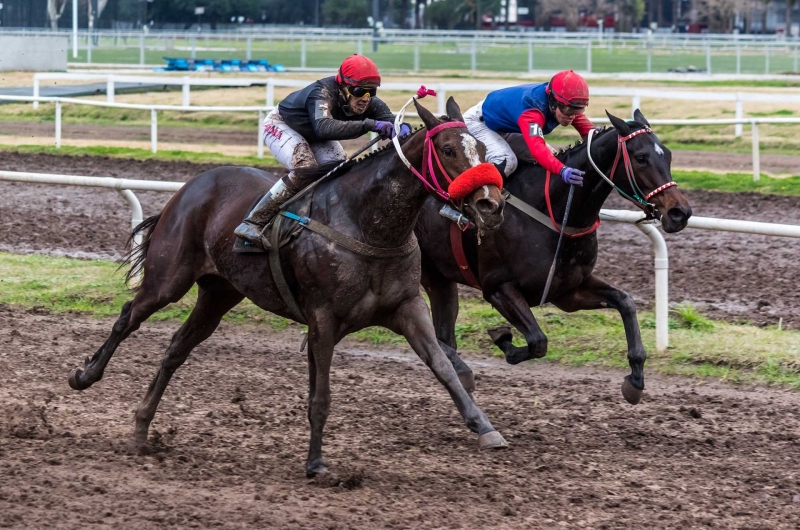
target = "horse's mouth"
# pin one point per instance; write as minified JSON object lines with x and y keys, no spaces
{"x":676,"y":219}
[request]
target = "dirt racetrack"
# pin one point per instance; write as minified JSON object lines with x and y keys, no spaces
{"x":231,"y":435}
{"x":733,"y":276}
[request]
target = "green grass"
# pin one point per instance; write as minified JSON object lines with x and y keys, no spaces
{"x":145,"y":154}
{"x":698,"y":348}
{"x":736,"y":182}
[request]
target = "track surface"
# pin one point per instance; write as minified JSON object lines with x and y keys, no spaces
{"x":732,"y":276}
{"x":229,"y":442}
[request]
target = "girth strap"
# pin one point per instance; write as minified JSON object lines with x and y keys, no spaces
{"x":353,"y":244}
{"x":535,"y":214}
{"x":461,"y":259}
{"x":277,"y":271}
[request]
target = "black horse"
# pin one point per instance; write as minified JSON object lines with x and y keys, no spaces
{"x":375,"y":203}
{"x":512,"y":263}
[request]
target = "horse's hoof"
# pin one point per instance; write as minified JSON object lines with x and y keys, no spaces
{"x":316,"y":469}
{"x":631,"y":394}
{"x":518,"y":355}
{"x":467,"y":381}
{"x":76,"y":381}
{"x":491,"y":440}
{"x":500,"y":335}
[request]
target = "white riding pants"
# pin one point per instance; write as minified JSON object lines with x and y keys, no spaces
{"x":294,"y":151}
{"x":497,"y":149}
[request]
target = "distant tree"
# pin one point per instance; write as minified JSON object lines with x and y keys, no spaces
{"x":347,"y":13}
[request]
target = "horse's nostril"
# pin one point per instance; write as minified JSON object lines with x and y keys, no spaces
{"x":487,"y":206}
{"x":678,"y":215}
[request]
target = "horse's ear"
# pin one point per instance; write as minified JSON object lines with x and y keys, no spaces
{"x":453,"y":110}
{"x":426,"y":116}
{"x":639,"y":117}
{"x":622,"y":128}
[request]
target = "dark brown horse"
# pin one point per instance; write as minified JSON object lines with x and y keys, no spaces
{"x":376,"y":201}
{"x":512,"y":263}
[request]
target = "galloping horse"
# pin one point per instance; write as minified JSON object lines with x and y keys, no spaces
{"x":373,"y":207}
{"x":511,"y":264}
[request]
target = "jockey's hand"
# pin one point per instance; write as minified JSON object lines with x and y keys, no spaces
{"x":384,"y":128}
{"x":404,"y":129}
{"x":572,"y":176}
{"x":598,"y":129}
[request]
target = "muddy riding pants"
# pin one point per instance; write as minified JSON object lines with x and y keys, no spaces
{"x":497,"y":149}
{"x":294,"y":151}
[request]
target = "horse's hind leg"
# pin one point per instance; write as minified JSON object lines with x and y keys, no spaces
{"x":152,"y":296}
{"x":411,"y":320}
{"x":320,"y":353}
{"x":215,"y":298}
{"x":443,"y":295}
{"x":510,"y":303}
{"x":594,"y":293}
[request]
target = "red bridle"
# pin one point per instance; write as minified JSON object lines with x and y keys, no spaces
{"x":429,"y":154}
{"x":640,"y":199}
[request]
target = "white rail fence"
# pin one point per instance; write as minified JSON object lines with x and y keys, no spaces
{"x":126,"y":187}
{"x":443,"y":89}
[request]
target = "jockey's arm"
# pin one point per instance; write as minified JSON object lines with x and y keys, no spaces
{"x":328,"y":128}
{"x":530,"y":124}
{"x":582,"y":124}
{"x":379,"y":111}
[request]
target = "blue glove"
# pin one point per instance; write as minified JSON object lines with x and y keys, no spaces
{"x":404,"y":129}
{"x":384,"y":128}
{"x":572,"y":176}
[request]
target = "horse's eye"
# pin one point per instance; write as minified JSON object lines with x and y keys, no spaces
{"x":448,"y":151}
{"x":642,"y":159}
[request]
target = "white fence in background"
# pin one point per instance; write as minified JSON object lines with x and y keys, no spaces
{"x":443,"y":89}
{"x":127,"y":186}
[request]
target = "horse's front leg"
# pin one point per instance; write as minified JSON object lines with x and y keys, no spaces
{"x":321,"y":340}
{"x":510,"y":303}
{"x":412,"y":321}
{"x":443,"y":295}
{"x":594,"y":293}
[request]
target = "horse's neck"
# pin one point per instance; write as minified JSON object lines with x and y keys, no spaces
{"x":587,"y":199}
{"x":379,"y":200}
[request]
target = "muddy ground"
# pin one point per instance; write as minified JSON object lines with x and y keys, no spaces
{"x":733,"y":276}
{"x":706,"y":160}
{"x":229,"y":441}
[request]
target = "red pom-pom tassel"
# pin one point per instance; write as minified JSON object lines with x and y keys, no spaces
{"x":481,"y":175}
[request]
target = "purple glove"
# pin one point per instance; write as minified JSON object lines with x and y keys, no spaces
{"x":404,"y":129}
{"x":572,"y":176}
{"x":384,"y":128}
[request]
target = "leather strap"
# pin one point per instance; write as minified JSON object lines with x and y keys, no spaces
{"x":277,"y":271}
{"x":352,"y":244}
{"x":532,"y":212}
{"x":461,"y":259}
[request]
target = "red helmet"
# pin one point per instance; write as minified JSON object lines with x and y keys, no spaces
{"x":569,"y":88}
{"x":358,"y":70}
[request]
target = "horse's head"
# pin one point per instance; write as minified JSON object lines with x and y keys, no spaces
{"x":650,"y":162}
{"x":459,"y":167}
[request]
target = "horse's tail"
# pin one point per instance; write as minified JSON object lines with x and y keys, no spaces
{"x":137,"y":254}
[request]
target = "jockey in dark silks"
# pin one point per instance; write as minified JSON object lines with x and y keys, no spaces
{"x":533,"y":110}
{"x":305,"y":128}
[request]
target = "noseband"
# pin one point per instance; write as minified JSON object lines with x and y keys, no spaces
{"x":639,"y":198}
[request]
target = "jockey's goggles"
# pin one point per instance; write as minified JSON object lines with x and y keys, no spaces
{"x":569,"y":110}
{"x":360,"y":92}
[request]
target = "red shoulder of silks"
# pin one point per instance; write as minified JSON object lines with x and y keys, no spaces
{"x":470,"y":180}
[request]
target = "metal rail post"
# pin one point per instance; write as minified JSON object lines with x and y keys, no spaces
{"x":441,"y":99}
{"x":589,"y":56}
{"x":473,"y":65}
{"x":259,"y":137}
{"x":649,"y":57}
{"x":708,"y":59}
{"x":794,"y":67}
{"x":89,"y":47}
{"x":249,"y":51}
{"x":141,"y":49}
{"x":194,"y":47}
{"x":58,"y":125}
{"x":662,"y":285}
{"x":416,"y":57}
{"x":270,"y":93}
{"x":137,"y":214}
{"x":110,"y":88}
{"x":530,"y":56}
{"x":186,"y":92}
{"x":636,"y":103}
{"x":153,"y":131}
{"x":766,"y":59}
{"x":302,"y":53}
{"x":756,"y":153}
{"x":737,"y":129}
{"x":35,"y":91}
{"x":738,"y":58}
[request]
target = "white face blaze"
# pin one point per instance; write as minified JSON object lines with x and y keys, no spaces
{"x":658,"y":149}
{"x":470,"y":149}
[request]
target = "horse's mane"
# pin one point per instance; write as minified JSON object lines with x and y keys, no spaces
{"x":314,"y":173}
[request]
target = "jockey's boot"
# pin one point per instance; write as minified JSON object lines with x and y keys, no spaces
{"x":251,"y":229}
